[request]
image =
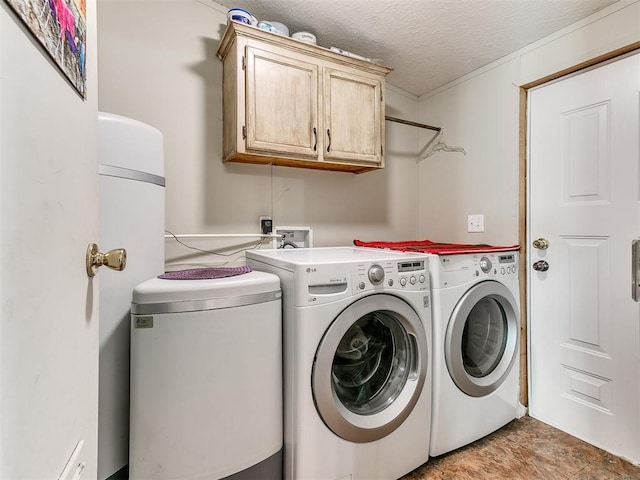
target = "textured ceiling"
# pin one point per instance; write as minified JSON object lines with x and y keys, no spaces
{"x":427,"y":42}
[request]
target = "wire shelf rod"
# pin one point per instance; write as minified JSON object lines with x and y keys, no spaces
{"x":413,"y":124}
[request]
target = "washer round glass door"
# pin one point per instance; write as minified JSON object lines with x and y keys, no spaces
{"x":370,"y":368}
{"x":481,"y":342}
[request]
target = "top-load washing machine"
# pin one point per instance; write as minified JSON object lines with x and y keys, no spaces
{"x":476,"y":333}
{"x":357,"y":339}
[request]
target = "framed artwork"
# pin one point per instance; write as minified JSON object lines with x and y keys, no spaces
{"x":61,"y":27}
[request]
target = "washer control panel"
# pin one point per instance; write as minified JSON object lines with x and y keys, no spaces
{"x":410,"y":275}
{"x":326,"y":282}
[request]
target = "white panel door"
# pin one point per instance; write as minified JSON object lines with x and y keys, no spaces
{"x":583,"y":199}
{"x":48,"y":215}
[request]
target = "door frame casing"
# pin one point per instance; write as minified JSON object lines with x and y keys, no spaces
{"x":523,"y":197}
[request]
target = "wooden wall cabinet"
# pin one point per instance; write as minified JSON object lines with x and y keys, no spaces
{"x":293,"y":104}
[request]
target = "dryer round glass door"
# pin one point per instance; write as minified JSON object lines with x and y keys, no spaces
{"x":370,"y":368}
{"x":481,"y":342}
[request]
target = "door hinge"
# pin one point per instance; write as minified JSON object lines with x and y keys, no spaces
{"x":635,"y":270}
{"x":381,"y":97}
{"x":244,"y":132}
{"x":244,"y":62}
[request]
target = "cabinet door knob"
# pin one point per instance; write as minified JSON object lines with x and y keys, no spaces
{"x":315,"y":139}
{"x":329,"y":144}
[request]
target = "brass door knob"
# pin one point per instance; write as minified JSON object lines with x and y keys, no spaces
{"x":114,"y":259}
{"x":541,"y":244}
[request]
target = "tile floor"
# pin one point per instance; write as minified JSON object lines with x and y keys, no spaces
{"x":527,"y":449}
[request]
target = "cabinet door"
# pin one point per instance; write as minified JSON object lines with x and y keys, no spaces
{"x":281,"y":104}
{"x":353,"y":117}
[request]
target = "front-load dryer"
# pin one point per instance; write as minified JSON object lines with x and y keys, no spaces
{"x":475,"y":346}
{"x":357,"y":339}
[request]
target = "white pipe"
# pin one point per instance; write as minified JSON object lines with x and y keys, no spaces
{"x":220,"y":235}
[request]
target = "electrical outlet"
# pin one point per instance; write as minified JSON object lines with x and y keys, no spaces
{"x":475,"y":223}
{"x":266,"y":225}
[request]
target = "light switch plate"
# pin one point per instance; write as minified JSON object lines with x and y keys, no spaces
{"x":475,"y":223}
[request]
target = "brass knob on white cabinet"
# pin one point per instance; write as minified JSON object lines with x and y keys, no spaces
{"x":114,"y":259}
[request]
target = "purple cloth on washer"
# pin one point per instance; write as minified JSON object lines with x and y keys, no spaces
{"x":205,"y":273}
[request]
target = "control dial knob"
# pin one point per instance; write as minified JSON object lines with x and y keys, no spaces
{"x":376,"y":274}
{"x":485,"y":264}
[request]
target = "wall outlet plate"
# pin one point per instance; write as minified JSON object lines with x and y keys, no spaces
{"x":266,"y":225}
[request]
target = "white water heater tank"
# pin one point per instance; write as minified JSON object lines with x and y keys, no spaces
{"x":131,"y":170}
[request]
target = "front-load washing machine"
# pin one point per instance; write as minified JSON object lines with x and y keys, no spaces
{"x":475,"y":346}
{"x":357,"y":339}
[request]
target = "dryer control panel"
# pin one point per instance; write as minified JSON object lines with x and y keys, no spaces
{"x":453,"y":270}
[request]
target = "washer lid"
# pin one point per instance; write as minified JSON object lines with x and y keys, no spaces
{"x":159,"y":290}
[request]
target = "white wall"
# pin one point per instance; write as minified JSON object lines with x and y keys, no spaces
{"x":48,"y":215}
{"x":480,"y":112}
{"x":482,"y":117}
{"x":158,"y":64}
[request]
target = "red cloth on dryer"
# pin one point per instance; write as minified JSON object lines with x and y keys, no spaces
{"x":427,"y":246}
